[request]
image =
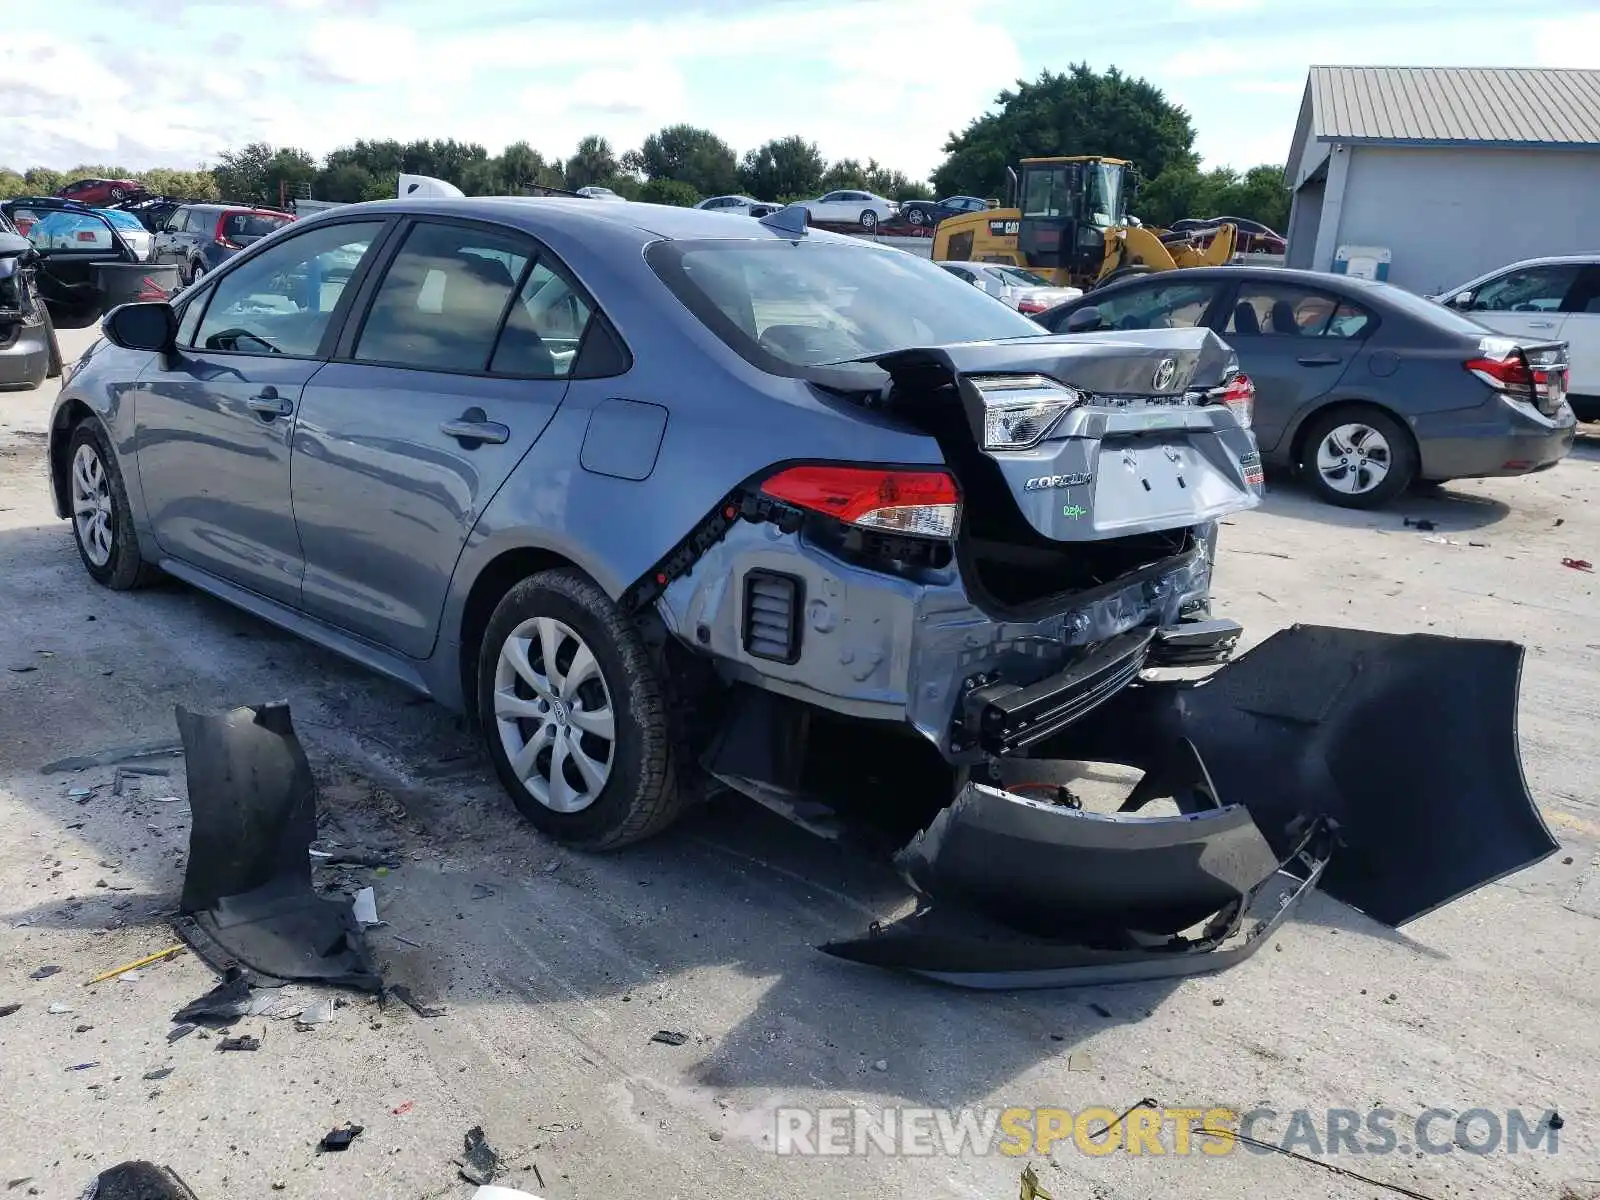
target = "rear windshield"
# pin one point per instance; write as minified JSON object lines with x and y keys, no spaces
{"x":237,"y":225}
{"x":794,"y":304}
{"x":119,"y":218}
{"x":1439,"y":315}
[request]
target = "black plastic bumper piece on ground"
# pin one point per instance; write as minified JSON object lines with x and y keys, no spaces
{"x":248,"y":902}
{"x":962,"y":949}
{"x":1194,"y":643}
{"x":1009,"y":718}
{"x":1407,"y":744}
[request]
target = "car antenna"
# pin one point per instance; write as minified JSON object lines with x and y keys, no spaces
{"x":792,"y":219}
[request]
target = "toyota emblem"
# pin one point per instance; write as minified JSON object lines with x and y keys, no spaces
{"x":1166,"y":372}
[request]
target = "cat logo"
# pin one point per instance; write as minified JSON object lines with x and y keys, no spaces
{"x":1004,"y":228}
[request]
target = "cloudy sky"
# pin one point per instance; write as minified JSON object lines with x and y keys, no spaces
{"x":173,"y":82}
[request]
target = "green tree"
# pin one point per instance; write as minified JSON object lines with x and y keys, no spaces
{"x":593,"y":163}
{"x":11,"y":184}
{"x":185,"y":185}
{"x":1182,"y":190}
{"x":846,"y":173}
{"x":789,"y":168}
{"x":522,"y":168}
{"x":669,"y":191}
{"x":42,"y":181}
{"x":895,"y":185}
{"x":348,"y":183}
{"x":1079,"y":112}
{"x":690,"y":155}
{"x":263,"y":173}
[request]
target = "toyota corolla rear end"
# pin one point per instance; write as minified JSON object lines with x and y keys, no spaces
{"x":882,"y":649}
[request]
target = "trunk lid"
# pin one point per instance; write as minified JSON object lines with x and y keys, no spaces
{"x":1091,"y":436}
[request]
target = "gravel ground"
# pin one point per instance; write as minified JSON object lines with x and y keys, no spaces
{"x":555,"y":970}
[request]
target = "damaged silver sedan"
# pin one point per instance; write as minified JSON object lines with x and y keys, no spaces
{"x":665,"y":496}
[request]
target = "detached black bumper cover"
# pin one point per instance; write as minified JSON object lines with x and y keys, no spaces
{"x":1382,"y":768}
{"x":248,"y":903}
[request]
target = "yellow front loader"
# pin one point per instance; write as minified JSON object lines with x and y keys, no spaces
{"x":1070,"y":224}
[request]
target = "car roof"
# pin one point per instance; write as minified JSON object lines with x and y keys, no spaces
{"x":575,"y":215}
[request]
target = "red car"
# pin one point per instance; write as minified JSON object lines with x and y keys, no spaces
{"x":100,"y":192}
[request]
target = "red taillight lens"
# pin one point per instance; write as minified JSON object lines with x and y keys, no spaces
{"x":221,"y":236}
{"x":1239,"y":394}
{"x":1502,"y":374}
{"x":1031,"y":306}
{"x":926,"y":503}
{"x":86,"y":235}
{"x":1512,"y":374}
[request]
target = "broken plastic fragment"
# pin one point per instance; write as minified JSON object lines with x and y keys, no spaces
{"x":480,"y":1164}
{"x":138,"y":1181}
{"x":319,"y":1013}
{"x":340,"y":1138}
{"x":243,"y":1042}
{"x":365,"y":906}
{"x":669,"y":1037}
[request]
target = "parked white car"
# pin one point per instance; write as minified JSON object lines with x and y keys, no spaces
{"x":598,"y":193}
{"x":1552,"y":299}
{"x":849,"y":207}
{"x":1022,"y":290}
{"x":747,"y":206}
{"x":66,"y":229}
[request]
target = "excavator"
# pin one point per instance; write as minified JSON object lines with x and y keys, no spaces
{"x":1070,"y":224}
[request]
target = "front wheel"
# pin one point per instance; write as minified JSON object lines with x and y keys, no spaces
{"x":1358,"y":457}
{"x":916,"y":216}
{"x":102,"y":520}
{"x":196,"y":269}
{"x":574,"y":714}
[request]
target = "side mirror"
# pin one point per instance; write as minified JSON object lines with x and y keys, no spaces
{"x":1462,"y":300}
{"x":151,"y":326}
{"x":1082,"y":320}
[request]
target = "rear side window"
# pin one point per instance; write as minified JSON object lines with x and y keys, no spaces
{"x":1164,"y":306}
{"x":1531,"y":289}
{"x":242,"y":228}
{"x":1283,"y":310}
{"x":440,"y":303}
{"x":281,"y":301}
{"x":544,"y":328}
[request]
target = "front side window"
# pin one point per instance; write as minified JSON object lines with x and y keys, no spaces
{"x":441,"y":301}
{"x":281,"y":301}
{"x":1281,"y":310}
{"x":785,"y":304}
{"x":1164,"y":306}
{"x":1531,"y":289}
{"x":1046,"y":192}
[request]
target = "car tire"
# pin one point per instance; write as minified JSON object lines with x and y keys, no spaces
{"x":915,"y":216}
{"x":119,"y":193}
{"x":109,"y":545}
{"x":869,"y":220}
{"x":1370,"y":436}
{"x":528,"y":718}
{"x":196,"y":269}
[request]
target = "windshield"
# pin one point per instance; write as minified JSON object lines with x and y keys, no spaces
{"x":806,"y":303}
{"x":1103,"y":202}
{"x":122,"y":220}
{"x":1017,"y":275}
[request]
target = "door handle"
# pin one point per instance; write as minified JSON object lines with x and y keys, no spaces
{"x":1320,"y":360}
{"x":473,"y":427}
{"x":269,"y":404}
{"x":1541,"y":324}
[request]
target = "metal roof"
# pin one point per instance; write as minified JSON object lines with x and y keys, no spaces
{"x":1503,"y":106}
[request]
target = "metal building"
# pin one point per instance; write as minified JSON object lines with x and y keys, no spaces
{"x":1428,"y":176}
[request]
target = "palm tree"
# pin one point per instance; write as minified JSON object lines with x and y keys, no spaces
{"x":594,"y":162}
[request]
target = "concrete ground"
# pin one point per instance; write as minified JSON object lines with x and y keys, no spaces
{"x":556,"y":969}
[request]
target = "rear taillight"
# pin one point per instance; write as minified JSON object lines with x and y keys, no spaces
{"x":221,"y":237}
{"x":1239,"y":394}
{"x":1019,"y":411}
{"x":86,"y":235}
{"x":1031,"y":306}
{"x":1508,"y":371}
{"x":892,"y":500}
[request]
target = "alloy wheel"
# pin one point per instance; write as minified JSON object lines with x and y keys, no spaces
{"x":93,"y":511}
{"x":1354,"y":458}
{"x":553,"y":714}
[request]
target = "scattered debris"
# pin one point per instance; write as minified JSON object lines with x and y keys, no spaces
{"x":1079,"y":1061}
{"x":405,"y":941}
{"x":243,"y":1042}
{"x":247,"y":891}
{"x":316,"y":1014}
{"x":365,"y":907}
{"x":83,"y":1029}
{"x":1422,"y":523}
{"x":79,"y":793}
{"x":158,"y":1073}
{"x":1217,"y":1002}
{"x":60,"y":1010}
{"x":45,"y":972}
{"x":7,"y":1009}
{"x":1578,"y":564}
{"x":1102,"y":1010}
{"x":340,"y":1138}
{"x":138,"y":1181}
{"x":110,"y":758}
{"x":226,"y":1002}
{"x":403,"y":1109}
{"x":83,"y":1066}
{"x":147,"y":960}
{"x":182,"y":1031}
{"x":480,"y":1164}
{"x":881,"y":1065}
{"x":1555,"y":1121}
{"x":481,"y":891}
{"x":22,"y":668}
{"x":404,"y":994}
{"x":1479,"y":545}
{"x":669,"y":1037}
{"x":494,"y":1192}
{"x":1442,"y":541}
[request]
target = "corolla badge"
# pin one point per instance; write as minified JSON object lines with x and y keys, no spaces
{"x":1077,"y":479}
{"x":1166,"y":372}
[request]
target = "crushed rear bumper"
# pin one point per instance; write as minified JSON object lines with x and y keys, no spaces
{"x":1383,"y":769}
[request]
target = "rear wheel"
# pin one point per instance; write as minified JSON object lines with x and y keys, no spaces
{"x":102,"y":520}
{"x":196,"y":269}
{"x":574,"y":714}
{"x":869,"y":219}
{"x":916,"y":216}
{"x":1357,"y":457}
